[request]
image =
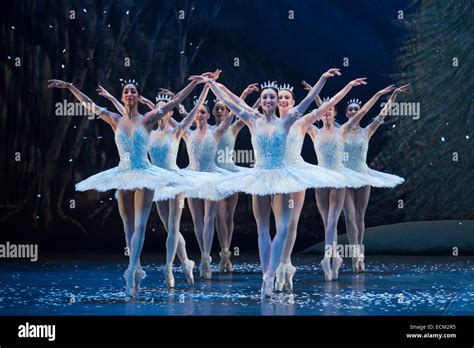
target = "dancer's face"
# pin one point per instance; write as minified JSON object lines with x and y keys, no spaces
{"x":328,"y":116}
{"x":202,"y":115}
{"x":285,"y":100}
{"x":268,"y":100}
{"x":352,"y":110}
{"x":219,"y":111}
{"x":130,"y":95}
{"x":168,"y":114}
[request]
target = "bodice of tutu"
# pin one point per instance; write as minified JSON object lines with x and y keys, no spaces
{"x":330,"y":152}
{"x":225,"y":149}
{"x":163,"y":149}
{"x":356,"y":147}
{"x":269,"y":146}
{"x":202,"y":152}
{"x":132,"y":148}
{"x":294,"y":145}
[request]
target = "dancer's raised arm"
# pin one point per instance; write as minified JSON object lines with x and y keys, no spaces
{"x":110,"y":117}
{"x":188,"y":120}
{"x":104,"y":93}
{"x":147,"y":102}
{"x":367,"y":106}
{"x":241,"y":100}
{"x":315,"y":90}
{"x":155,"y":115}
{"x":233,"y":106}
{"x":316,"y":114}
{"x":375,"y":124}
{"x":239,"y":124}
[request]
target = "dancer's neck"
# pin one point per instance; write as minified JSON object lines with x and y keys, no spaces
{"x":131,"y":113}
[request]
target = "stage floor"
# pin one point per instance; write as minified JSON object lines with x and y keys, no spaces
{"x":93,"y":285}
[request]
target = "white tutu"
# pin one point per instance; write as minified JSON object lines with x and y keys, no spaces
{"x":320,"y":177}
{"x":132,"y":179}
{"x":265,"y":181}
{"x":134,"y":172}
{"x":356,"y":147}
{"x":380,"y":179}
{"x":205,"y":185}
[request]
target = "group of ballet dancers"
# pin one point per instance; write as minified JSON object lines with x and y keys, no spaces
{"x":277,"y":181}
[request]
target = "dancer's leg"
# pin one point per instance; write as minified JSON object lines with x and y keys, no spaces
{"x":225,"y":229}
{"x":196,"y":206}
{"x":322,"y":201}
{"x":143,"y":200}
{"x":362,"y":200}
{"x":297,"y":200}
{"x":351,"y":227}
{"x":163,"y":208}
{"x":336,"y":202}
{"x":127,"y":213}
{"x":210,"y":211}
{"x":285,"y":270}
{"x":281,"y":210}
{"x":261,"y":211}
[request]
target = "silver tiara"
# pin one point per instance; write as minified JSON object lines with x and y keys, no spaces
{"x":126,"y":82}
{"x":196,"y":100}
{"x":163,"y":97}
{"x":326,"y":99}
{"x":269,"y":84}
{"x":354,"y":101}
{"x":285,"y":87}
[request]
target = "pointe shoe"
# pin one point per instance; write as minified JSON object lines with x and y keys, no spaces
{"x":188,"y":267}
{"x":267,"y":285}
{"x":224,"y":264}
{"x":140,"y":274}
{"x":355,"y":266}
{"x":168,"y":272}
{"x":336,"y":264}
{"x":326,"y":266}
{"x":290,"y":272}
{"x":280,"y":277}
{"x":361,"y":264}
{"x":130,"y":285}
{"x":205,"y":271}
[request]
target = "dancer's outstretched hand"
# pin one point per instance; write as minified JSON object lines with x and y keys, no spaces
{"x":213,"y":75}
{"x":103,"y":92}
{"x":166,"y":91}
{"x":387,"y":89}
{"x":58,"y":84}
{"x":404,"y":89}
{"x":332,"y":72}
{"x":358,"y":82}
{"x":200,"y":78}
{"x":251,"y":88}
{"x":142,"y":100}
{"x":306,"y":85}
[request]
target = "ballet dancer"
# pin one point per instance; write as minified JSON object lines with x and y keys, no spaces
{"x":135,"y":178}
{"x":201,"y":145}
{"x":355,"y":147}
{"x":329,"y":146}
{"x":325,"y":178}
{"x":226,"y":207}
{"x":270,"y":181}
{"x":163,"y":150}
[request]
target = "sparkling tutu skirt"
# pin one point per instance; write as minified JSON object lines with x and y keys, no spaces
{"x":380,"y":179}
{"x":265,"y":181}
{"x":120,"y":178}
